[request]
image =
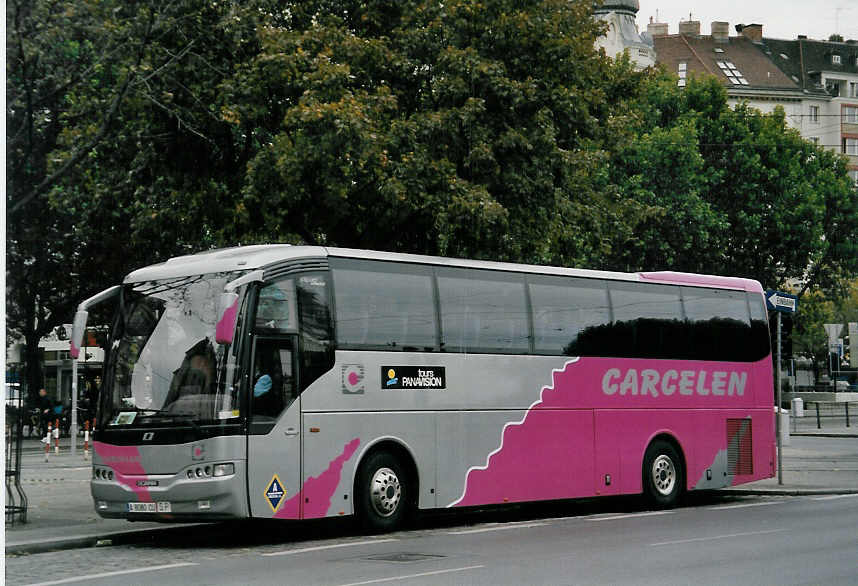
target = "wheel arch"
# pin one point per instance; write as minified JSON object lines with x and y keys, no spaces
{"x":669,"y":437}
{"x":401,"y":450}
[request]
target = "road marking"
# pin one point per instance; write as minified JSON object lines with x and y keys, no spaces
{"x":692,"y":540}
{"x":835,"y":496}
{"x":408,"y":576}
{"x":332,"y":546}
{"x":117,"y":573}
{"x":631,"y":516}
{"x":723,"y":507}
{"x":503,"y":527}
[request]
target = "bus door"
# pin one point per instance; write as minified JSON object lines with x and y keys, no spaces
{"x":274,"y":427}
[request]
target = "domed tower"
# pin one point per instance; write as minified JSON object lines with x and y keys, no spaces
{"x":622,"y":34}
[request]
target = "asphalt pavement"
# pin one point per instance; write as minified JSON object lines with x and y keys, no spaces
{"x":61,"y":515}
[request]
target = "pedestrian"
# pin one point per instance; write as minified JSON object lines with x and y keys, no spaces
{"x":46,"y":411}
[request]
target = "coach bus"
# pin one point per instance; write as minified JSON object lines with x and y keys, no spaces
{"x":300,"y":382}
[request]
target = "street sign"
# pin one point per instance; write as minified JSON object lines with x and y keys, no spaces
{"x":853,"y":344}
{"x":833,"y":331}
{"x":779,"y":301}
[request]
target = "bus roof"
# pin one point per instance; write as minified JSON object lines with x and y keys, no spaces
{"x":245,"y":258}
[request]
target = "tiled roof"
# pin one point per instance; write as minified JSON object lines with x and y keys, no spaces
{"x":804,"y":59}
{"x":737,"y":62}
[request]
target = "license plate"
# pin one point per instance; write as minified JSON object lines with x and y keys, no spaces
{"x":158,"y":507}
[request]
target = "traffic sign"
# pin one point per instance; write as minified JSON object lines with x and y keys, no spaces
{"x":780,"y":301}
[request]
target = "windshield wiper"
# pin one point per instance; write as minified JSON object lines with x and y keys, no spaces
{"x":186,"y":417}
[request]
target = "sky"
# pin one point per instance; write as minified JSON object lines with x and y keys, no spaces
{"x":781,"y":19}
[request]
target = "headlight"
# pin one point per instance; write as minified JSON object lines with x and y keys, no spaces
{"x":224,"y":469}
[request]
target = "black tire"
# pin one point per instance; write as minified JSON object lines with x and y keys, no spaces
{"x":383,"y":493}
{"x":663,"y":475}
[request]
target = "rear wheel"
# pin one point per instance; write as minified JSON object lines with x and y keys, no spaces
{"x":383,"y":493}
{"x":663,"y":474}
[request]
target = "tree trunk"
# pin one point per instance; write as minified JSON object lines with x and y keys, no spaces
{"x":33,"y":365}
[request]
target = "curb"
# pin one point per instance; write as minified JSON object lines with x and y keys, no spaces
{"x":823,"y":434}
{"x":791,"y":491}
{"x":89,"y":540}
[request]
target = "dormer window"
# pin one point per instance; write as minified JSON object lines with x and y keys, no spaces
{"x":835,"y":59}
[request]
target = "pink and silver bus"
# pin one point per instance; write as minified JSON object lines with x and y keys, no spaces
{"x":299,"y":382}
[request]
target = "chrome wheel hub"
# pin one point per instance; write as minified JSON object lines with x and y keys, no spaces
{"x":385,"y":492}
{"x":663,"y":475}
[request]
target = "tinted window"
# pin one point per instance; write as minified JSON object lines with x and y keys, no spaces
{"x":316,"y":353}
{"x":562,"y":309}
{"x":707,"y":304}
{"x":719,"y":323}
{"x":483,"y":311}
{"x":384,"y":306}
{"x":648,"y":321}
{"x":760,"y":345}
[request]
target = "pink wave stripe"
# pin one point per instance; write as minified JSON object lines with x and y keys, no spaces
{"x":318,"y":490}
{"x":600,"y":414}
{"x":501,"y":479}
{"x":126,"y":466}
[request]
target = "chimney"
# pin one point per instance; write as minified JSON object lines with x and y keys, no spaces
{"x":754,"y":32}
{"x":720,"y":31}
{"x":690,"y":28}
{"x":657,"y":29}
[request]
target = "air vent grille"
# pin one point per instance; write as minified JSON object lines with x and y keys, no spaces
{"x":740,"y":447}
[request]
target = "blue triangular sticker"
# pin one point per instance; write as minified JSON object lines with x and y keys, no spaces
{"x":275,"y":493}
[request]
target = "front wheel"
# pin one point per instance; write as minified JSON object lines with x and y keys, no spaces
{"x":382,"y":493}
{"x":663,"y":474}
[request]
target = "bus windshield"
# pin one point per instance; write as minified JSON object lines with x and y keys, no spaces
{"x":164,"y":363}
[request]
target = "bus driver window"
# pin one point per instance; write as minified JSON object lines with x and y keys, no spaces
{"x":273,"y":381}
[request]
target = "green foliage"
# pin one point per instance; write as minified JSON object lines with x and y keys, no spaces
{"x":414,"y":126}
{"x":488,"y":129}
{"x":733,"y":191}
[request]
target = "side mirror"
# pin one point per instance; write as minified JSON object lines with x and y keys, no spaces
{"x":228,"y":311}
{"x":78,"y":329}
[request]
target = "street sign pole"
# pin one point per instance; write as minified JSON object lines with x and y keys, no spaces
{"x":73,"y":428}
{"x":778,"y":406}
{"x":780,"y":302}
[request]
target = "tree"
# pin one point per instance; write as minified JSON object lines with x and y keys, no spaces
{"x":456,"y":128}
{"x":732,"y":191}
{"x":137,"y":131}
{"x":114,"y":143}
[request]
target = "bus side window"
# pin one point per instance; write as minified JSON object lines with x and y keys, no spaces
{"x":648,"y":320}
{"x":483,"y":311}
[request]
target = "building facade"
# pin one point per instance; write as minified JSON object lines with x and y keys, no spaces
{"x":622,"y":35}
{"x":815,"y":82}
{"x":830,"y":67}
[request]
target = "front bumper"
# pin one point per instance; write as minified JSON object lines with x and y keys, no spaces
{"x":189,"y":498}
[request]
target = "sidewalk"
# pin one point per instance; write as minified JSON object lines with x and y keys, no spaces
{"x":825,"y":463}
{"x":831,"y":421}
{"x":61,"y":513}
